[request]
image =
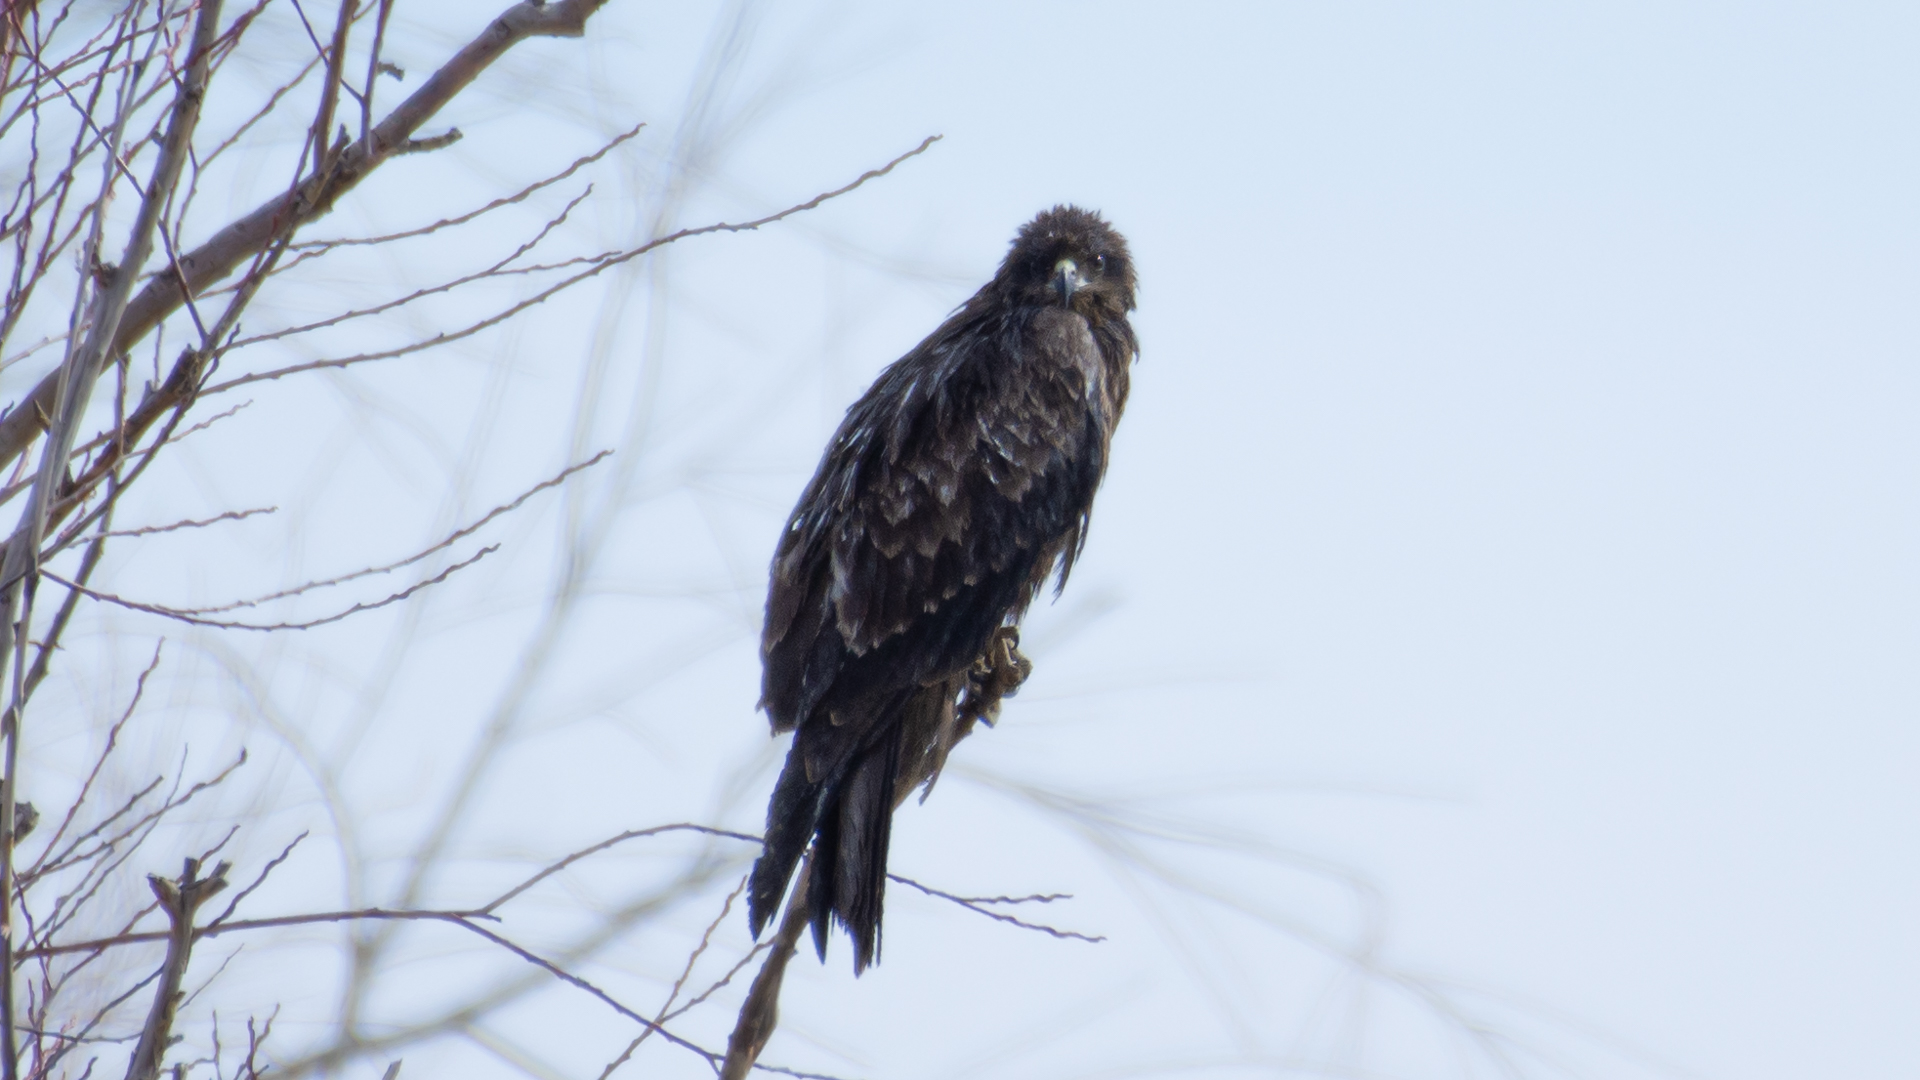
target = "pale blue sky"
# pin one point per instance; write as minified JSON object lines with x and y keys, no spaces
{"x":1516,"y":513}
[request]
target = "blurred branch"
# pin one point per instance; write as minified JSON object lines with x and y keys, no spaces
{"x":457,"y":1017}
{"x":99,"y":763}
{"x":73,"y":853}
{"x":667,"y":1011}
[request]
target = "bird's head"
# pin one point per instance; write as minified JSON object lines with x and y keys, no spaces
{"x":1071,"y":257}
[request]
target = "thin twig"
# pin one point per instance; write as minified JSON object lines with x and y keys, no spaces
{"x":445,"y":542}
{"x":973,"y":904}
{"x":599,"y":264}
{"x":673,"y":993}
{"x":264,"y":226}
{"x":634,"y":834}
{"x":231,"y":515}
{"x":431,"y":290}
{"x":258,"y":881}
{"x":220,"y":624}
{"x":509,"y":200}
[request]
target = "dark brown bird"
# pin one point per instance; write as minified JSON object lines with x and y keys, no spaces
{"x":957,"y":484}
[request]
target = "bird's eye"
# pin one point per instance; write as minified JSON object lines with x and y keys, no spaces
{"x":1099,"y":264}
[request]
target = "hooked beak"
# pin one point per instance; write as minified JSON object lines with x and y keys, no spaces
{"x":1067,"y":280}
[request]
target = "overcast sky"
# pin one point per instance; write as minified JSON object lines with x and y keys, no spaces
{"x":1520,"y":474}
{"x":1505,"y":579}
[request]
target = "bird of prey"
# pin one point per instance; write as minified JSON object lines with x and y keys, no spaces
{"x":955,"y":487}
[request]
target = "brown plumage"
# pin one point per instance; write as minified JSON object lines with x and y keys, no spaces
{"x":958,"y":483}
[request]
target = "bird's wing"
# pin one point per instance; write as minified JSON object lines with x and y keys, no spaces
{"x":961,"y":471}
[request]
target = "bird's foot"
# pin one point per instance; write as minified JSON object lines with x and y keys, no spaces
{"x":996,"y":675}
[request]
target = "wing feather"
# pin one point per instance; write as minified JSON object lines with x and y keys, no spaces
{"x":944,"y":486}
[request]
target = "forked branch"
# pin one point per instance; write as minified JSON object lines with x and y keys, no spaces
{"x":180,"y":900}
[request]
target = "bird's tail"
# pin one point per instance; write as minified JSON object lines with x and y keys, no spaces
{"x":849,"y":881}
{"x":852,"y":815}
{"x":845,"y":803}
{"x":791,"y":815}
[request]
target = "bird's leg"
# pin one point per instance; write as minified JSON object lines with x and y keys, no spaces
{"x":943,"y":713}
{"x":998,"y":674}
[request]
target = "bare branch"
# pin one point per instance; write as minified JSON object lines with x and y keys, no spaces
{"x":231,"y":515}
{"x":463,"y":919}
{"x":195,"y":620}
{"x":238,"y":925}
{"x":430,"y":143}
{"x":974,"y":904}
{"x":252,"y":234}
{"x":603,"y":845}
{"x":70,"y":389}
{"x":574,"y":980}
{"x":258,"y":881}
{"x":760,"y":1013}
{"x":599,"y":264}
{"x":196,"y":616}
{"x":509,"y":200}
{"x":180,"y":899}
{"x":686,"y":972}
{"x":431,"y":290}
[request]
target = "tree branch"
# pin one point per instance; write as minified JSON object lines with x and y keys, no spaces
{"x":250,"y":235}
{"x":180,"y":900}
{"x":69,"y":388}
{"x":760,"y":1013}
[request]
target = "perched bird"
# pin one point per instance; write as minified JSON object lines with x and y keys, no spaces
{"x":957,"y":484}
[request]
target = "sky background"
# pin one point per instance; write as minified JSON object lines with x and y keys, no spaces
{"x":1501,"y":608}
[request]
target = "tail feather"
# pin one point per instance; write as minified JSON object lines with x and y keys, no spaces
{"x":791,"y":815}
{"x":849,"y":880}
{"x":862,"y":769}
